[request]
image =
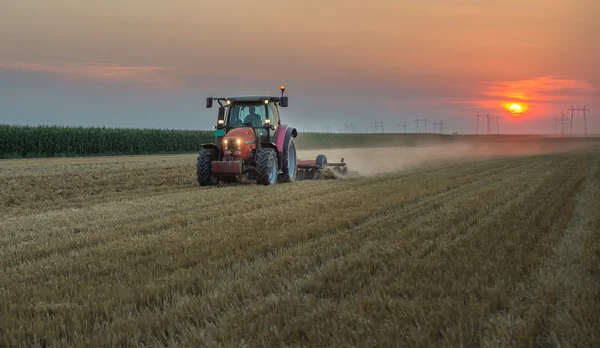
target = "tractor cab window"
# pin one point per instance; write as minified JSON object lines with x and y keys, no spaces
{"x":273,"y":114}
{"x":244,"y":115}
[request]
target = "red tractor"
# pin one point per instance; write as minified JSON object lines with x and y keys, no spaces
{"x":250,"y":141}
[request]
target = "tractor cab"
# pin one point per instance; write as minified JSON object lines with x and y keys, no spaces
{"x":257,"y":113}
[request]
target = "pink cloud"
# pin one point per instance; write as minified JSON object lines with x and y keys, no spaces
{"x":149,"y":75}
{"x":540,"y":89}
{"x":541,"y":94}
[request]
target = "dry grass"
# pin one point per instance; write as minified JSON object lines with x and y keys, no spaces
{"x":444,"y":255}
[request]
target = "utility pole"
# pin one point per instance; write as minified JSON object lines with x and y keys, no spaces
{"x":497,"y":123}
{"x":349,"y":128}
{"x":402,"y":125}
{"x":424,"y":120}
{"x":584,"y":119}
{"x":376,"y":126}
{"x":478,"y":116}
{"x":441,"y":124}
{"x":564,"y":125}
{"x":326,"y":128}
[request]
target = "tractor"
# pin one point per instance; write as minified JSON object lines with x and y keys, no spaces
{"x":251,"y":142}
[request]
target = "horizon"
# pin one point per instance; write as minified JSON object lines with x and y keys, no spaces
{"x":126,"y":64}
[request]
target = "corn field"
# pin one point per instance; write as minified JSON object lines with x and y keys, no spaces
{"x":59,"y":141}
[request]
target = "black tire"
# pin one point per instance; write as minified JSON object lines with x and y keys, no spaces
{"x":204,"y":168}
{"x":266,"y":159}
{"x":321,"y":162}
{"x":288,"y":176}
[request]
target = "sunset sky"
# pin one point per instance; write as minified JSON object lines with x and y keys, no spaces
{"x":134,"y":63}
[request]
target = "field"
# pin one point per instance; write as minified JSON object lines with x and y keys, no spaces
{"x":456,"y":245}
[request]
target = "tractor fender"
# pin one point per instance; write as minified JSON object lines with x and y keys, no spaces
{"x":284,"y":133}
{"x":270,"y":146}
{"x":213,"y":147}
{"x":290,"y":132}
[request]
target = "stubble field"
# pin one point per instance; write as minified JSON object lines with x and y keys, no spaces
{"x":463,"y":246}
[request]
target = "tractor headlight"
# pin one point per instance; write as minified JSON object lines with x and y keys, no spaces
{"x":239,"y":142}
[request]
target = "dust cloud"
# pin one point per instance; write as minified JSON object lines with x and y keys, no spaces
{"x":378,"y":160}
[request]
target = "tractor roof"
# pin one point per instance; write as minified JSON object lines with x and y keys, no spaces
{"x":249,"y":99}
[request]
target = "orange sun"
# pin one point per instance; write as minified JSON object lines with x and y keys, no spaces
{"x":515,"y":109}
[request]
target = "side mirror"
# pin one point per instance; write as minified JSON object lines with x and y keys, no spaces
{"x":209,"y":101}
{"x":221,"y":117}
{"x":284,"y":102}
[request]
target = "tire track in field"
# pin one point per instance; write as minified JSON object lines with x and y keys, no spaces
{"x":21,"y":224}
{"x":367,"y":247}
{"x":495,"y":168}
{"x":374,"y":250}
{"x":409,"y":265}
{"x":310,"y":245}
{"x":198,"y":261}
{"x":147,"y":226}
{"x":561,"y":284}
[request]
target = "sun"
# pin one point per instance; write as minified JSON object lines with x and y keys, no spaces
{"x":515,"y":109}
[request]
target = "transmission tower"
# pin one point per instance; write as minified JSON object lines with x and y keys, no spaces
{"x":349,"y":128}
{"x":497,"y":123}
{"x":419,"y":120}
{"x":441,"y":124}
{"x":488,"y":122}
{"x":326,"y":128}
{"x":402,"y":126}
{"x":376,"y":126}
{"x":584,"y":119}
{"x":564,"y":124}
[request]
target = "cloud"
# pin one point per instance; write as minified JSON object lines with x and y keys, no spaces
{"x":542,"y":92}
{"x":540,"y":89}
{"x":147,"y":75}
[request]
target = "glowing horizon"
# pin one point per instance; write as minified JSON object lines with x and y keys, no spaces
{"x":151,"y":65}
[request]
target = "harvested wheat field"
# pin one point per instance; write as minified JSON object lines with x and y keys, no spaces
{"x":106,"y":252}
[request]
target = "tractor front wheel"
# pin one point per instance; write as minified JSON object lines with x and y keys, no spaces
{"x":266,"y":166}
{"x":204,"y":168}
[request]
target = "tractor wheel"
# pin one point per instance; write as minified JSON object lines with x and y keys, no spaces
{"x":322,"y":164}
{"x":204,"y":168}
{"x":266,"y":166}
{"x":321,"y":161}
{"x":289,"y":168}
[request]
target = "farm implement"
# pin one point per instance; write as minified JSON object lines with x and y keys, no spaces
{"x":250,"y":142}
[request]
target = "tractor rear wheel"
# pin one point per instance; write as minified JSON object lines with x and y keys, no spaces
{"x":266,"y":166}
{"x":289,"y":167}
{"x":204,"y":168}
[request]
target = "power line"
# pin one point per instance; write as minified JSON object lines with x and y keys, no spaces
{"x":441,"y":124}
